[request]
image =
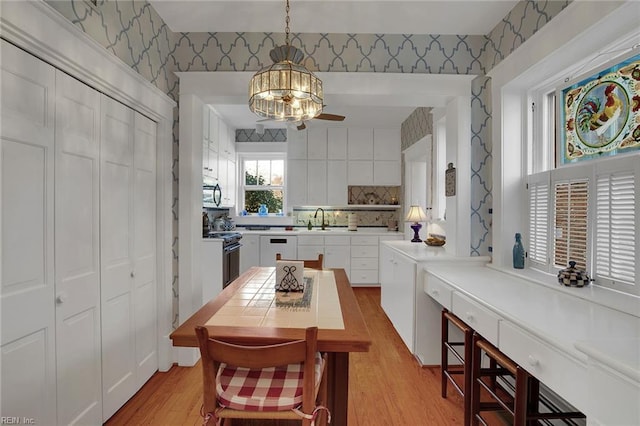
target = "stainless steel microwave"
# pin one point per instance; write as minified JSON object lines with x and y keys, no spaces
{"x":211,"y":195}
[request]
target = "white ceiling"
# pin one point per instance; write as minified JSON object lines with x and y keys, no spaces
{"x":380,"y":99}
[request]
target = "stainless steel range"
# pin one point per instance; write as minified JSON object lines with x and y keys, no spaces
{"x":230,"y":255}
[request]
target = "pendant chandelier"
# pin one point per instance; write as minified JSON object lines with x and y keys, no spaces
{"x":286,"y":90}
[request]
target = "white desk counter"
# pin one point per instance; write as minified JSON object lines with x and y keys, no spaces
{"x":587,"y":352}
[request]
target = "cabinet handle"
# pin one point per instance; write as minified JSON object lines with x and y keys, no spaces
{"x":470,"y":317}
{"x":133,"y":274}
{"x":61,"y":299}
{"x":533,"y":361}
{"x":435,"y":292}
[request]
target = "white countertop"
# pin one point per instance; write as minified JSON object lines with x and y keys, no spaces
{"x":420,"y":252}
{"x":580,"y":327}
{"x":328,"y":231}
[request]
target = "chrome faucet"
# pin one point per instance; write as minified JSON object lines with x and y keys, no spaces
{"x":315,"y":216}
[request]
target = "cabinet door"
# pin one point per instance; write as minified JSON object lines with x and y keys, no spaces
{"x":77,"y":252}
{"x":28,"y":367}
{"x":309,"y":252}
{"x":296,"y":183}
{"x":296,"y":144}
{"x":214,"y":137}
{"x":360,"y":172}
{"x":337,"y":256}
{"x":397,"y":297}
{"x":317,"y":144}
{"x":337,"y":191}
{"x":230,"y":192}
{"x":117,"y":272}
{"x":386,"y":144}
{"x":317,"y":182}
{"x":144,"y":248}
{"x":386,"y":172}
{"x":249,"y":252}
{"x":360,"y":144}
{"x":337,"y":143}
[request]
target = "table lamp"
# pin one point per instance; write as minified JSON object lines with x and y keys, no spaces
{"x":416,"y":214}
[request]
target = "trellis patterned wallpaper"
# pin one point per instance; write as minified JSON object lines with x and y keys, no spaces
{"x":136,"y":34}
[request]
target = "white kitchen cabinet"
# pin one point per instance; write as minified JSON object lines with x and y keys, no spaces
{"x":211,"y":259}
{"x":317,"y":144}
{"x":386,"y":173}
{"x":397,"y":293}
{"x":296,"y":144}
{"x":337,"y":143}
{"x":249,"y":252}
{"x":386,"y":144}
{"x":360,"y":172}
{"x":364,"y":259}
{"x":337,"y":188}
{"x":296,"y":182}
{"x":317,"y":182}
{"x":310,"y":246}
{"x":360,"y":144}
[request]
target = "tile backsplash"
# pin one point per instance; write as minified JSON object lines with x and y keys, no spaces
{"x":339,"y":216}
{"x":374,"y":195}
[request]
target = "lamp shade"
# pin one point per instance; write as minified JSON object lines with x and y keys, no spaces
{"x":416,"y":214}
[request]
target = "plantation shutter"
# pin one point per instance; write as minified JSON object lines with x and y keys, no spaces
{"x":615,"y":240}
{"x":570,"y":222}
{"x":539,"y":218}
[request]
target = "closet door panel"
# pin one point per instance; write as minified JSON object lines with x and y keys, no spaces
{"x":27,"y":346}
{"x":117,"y":273}
{"x":77,"y":247}
{"x":144,"y":227}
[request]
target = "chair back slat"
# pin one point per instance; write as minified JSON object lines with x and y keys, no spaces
{"x":309,"y":263}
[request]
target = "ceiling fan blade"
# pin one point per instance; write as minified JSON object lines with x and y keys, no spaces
{"x":301,"y":126}
{"x":331,"y":117}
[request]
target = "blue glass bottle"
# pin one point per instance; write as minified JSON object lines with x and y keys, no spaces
{"x":263,"y":210}
{"x":518,"y":253}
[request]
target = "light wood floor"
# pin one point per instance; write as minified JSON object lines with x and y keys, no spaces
{"x":386,"y":386}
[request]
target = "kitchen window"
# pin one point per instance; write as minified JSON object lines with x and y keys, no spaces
{"x":263,"y":182}
{"x":585,"y":212}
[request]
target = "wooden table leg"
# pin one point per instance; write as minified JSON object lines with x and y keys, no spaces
{"x":338,"y":387}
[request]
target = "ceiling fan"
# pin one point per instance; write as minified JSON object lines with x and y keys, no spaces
{"x":322,"y":116}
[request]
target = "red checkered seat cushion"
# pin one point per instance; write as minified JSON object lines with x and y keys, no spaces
{"x":267,"y":389}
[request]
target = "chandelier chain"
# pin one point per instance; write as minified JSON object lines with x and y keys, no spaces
{"x":286,"y":28}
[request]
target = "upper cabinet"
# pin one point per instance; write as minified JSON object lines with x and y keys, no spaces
{"x":219,"y":155}
{"x":323,"y":162}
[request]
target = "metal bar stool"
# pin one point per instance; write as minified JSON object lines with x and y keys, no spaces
{"x":523,"y":405}
{"x":464,"y":368}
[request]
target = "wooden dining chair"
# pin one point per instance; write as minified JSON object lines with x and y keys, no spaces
{"x":281,"y":381}
{"x":313,"y":264}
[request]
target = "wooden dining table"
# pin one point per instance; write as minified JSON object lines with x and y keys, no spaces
{"x":250,"y":311}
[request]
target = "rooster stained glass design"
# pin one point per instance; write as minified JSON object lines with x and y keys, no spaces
{"x":601,"y":114}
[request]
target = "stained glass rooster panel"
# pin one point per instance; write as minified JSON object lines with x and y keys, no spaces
{"x":600,"y":114}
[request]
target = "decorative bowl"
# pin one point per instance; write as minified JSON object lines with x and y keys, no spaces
{"x":573,"y":277}
{"x":434,"y":242}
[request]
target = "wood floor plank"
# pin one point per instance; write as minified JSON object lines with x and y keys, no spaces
{"x":387,"y":386}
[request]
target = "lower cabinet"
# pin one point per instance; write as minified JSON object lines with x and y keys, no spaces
{"x":211,"y":262}
{"x":397,"y":293}
{"x":249,"y":252}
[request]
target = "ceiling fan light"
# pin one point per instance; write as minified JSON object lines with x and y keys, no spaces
{"x":286,"y":90}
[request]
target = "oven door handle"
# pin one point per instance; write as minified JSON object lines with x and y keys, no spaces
{"x":233,"y":247}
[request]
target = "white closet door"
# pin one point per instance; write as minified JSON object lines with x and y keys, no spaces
{"x":27,"y":352}
{"x":145,"y":248}
{"x":117,"y":273}
{"x":77,"y":251}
